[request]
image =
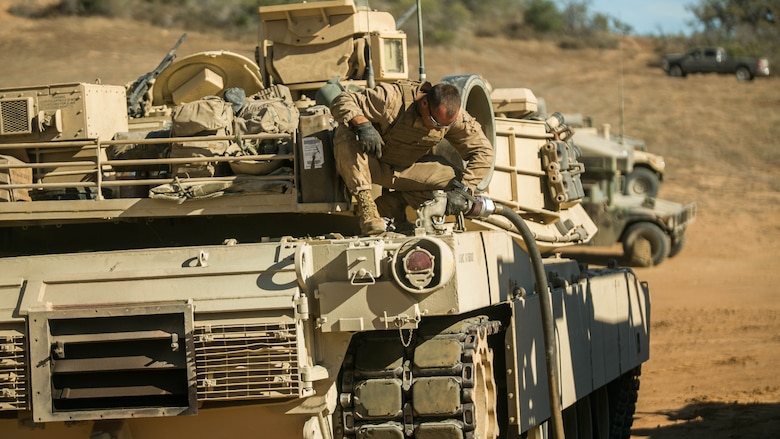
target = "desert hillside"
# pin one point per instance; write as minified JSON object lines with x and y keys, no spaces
{"x":715,"y":352}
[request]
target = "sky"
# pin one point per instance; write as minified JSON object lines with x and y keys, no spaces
{"x":649,"y":17}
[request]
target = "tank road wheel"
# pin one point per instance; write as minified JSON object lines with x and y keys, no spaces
{"x":645,"y":244}
{"x":607,"y":413}
{"x":642,"y":181}
{"x":438,"y":385}
{"x":602,"y":414}
{"x":599,"y":403}
{"x":578,"y":420}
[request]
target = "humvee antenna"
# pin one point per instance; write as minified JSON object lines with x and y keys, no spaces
{"x":622,"y":98}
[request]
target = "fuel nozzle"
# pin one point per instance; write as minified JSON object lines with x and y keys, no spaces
{"x":461,"y":200}
{"x":456,"y":201}
{"x":481,"y":207}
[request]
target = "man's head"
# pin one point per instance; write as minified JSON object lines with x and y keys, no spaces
{"x":441,"y":106}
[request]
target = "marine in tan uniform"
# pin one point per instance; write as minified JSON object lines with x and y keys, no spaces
{"x":385,"y":136}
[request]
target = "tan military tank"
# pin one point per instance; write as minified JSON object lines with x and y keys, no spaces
{"x":162,"y":276}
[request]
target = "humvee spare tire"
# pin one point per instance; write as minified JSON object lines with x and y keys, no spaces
{"x":642,"y":181}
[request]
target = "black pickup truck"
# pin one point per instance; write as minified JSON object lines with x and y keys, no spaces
{"x":714,"y":60}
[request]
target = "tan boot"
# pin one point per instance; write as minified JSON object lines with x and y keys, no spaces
{"x":370,"y":222}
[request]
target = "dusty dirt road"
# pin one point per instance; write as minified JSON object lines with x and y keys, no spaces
{"x":715,"y":344}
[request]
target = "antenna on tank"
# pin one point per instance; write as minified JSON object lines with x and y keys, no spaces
{"x":370,"y":83}
{"x":420,"y":42}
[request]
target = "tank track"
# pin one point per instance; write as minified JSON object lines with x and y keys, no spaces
{"x":623,"y":392}
{"x":439,"y":384}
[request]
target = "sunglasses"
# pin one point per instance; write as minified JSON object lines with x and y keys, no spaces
{"x":435,"y":122}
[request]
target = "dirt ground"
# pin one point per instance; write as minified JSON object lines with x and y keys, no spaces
{"x":714,"y":368}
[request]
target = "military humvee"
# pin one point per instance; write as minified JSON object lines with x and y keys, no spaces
{"x":621,"y":181}
{"x":649,"y":228}
{"x":645,"y":176}
{"x":158,"y":279}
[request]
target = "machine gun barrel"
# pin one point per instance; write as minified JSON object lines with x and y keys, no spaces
{"x":137,"y":91}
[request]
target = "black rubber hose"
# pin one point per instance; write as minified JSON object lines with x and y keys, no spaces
{"x":548,"y":328}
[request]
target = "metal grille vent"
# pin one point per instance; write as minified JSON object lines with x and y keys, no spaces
{"x":121,"y":363}
{"x":108,"y":367}
{"x":13,"y":379}
{"x":247,"y":362}
{"x":15,"y":116}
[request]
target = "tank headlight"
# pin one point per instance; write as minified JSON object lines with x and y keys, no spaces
{"x":422,"y":264}
{"x":418,"y":265}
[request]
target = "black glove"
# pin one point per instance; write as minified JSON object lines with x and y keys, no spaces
{"x":458,"y":201}
{"x":369,"y":139}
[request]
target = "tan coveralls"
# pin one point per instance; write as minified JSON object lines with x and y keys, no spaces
{"x":406,"y":164}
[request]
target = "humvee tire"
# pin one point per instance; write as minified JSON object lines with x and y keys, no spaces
{"x":659,"y":241}
{"x":642,"y":181}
